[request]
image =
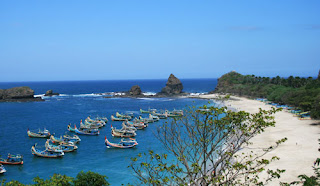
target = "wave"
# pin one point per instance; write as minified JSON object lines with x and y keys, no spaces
{"x":149,"y":93}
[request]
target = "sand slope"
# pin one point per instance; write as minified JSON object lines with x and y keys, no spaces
{"x":298,"y":153}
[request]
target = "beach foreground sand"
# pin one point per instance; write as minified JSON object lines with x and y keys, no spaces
{"x":297,"y":154}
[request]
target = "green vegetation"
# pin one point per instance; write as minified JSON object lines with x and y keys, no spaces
{"x":303,"y":93}
{"x":82,"y":179}
{"x":205,"y":149}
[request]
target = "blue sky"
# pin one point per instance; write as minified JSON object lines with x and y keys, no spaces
{"x":101,"y":39}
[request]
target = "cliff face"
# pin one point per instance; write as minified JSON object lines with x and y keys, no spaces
{"x":18,"y":94}
{"x":173,"y":86}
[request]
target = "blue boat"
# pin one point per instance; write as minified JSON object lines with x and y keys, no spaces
{"x":90,"y":132}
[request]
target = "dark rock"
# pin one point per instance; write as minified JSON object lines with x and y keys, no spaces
{"x":50,"y":93}
{"x":18,"y":94}
{"x":319,"y":76}
{"x":135,"y":90}
{"x":173,"y":86}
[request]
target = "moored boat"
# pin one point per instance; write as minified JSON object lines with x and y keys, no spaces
{"x":12,"y":160}
{"x":58,"y":147}
{"x":90,"y":132}
{"x":39,"y":134}
{"x":122,"y":133}
{"x":74,"y":138}
{"x":2,"y":169}
{"x":117,"y":119}
{"x":148,"y":111}
{"x":137,"y":125}
{"x":70,"y":129}
{"x":123,"y":144}
{"x":123,"y":116}
{"x":45,"y":153}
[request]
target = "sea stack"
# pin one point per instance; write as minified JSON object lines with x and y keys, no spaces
{"x":18,"y":94}
{"x":51,"y":93}
{"x":135,"y":90}
{"x":173,"y":86}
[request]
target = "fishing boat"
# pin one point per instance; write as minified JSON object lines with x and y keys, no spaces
{"x":74,"y":138}
{"x":61,"y":140}
{"x":117,"y":119}
{"x":90,"y":132}
{"x":70,"y":129}
{"x":39,"y":134}
{"x":145,"y":120}
{"x":122,"y":133}
{"x":12,"y":160}
{"x":123,"y":144}
{"x":126,"y":127}
{"x":123,"y":116}
{"x":148,"y":111}
{"x":154,"y":118}
{"x":2,"y":169}
{"x":161,"y":115}
{"x":174,"y":113}
{"x":137,"y":125}
{"x":58,"y":147}
{"x":46,"y":153}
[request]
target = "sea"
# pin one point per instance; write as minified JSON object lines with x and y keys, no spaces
{"x":77,"y":101}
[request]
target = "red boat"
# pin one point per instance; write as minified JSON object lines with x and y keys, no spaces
{"x":12,"y":160}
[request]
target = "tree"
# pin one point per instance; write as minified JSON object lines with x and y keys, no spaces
{"x":205,"y":145}
{"x":56,"y":179}
{"x":90,"y":178}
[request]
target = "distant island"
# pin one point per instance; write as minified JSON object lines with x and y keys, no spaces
{"x":300,"y":92}
{"x":173,"y":88}
{"x":18,"y":94}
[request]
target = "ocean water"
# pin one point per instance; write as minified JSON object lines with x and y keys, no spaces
{"x":78,"y":100}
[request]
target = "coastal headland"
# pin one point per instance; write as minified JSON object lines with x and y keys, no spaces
{"x":18,"y":94}
{"x":297,"y":154}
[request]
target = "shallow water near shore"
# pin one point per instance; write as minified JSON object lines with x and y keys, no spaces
{"x":79,"y":100}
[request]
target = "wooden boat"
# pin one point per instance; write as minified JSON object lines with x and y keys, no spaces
{"x":146,"y":120}
{"x":174,"y":113}
{"x":123,"y":116}
{"x":46,"y":153}
{"x":90,"y":132}
{"x":154,"y":118}
{"x":122,"y":133}
{"x":74,"y":138}
{"x":39,"y":134}
{"x":61,"y":140}
{"x":123,"y":144}
{"x":58,"y":147}
{"x":148,"y":111}
{"x":70,"y":129}
{"x":12,"y":160}
{"x":2,"y":169}
{"x":161,"y":115}
{"x":129,"y":128}
{"x":117,"y":119}
{"x":137,"y":125}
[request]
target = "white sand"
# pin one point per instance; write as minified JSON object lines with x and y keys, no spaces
{"x":298,"y":153}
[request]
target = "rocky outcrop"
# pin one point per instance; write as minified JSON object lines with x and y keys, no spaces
{"x":51,"y":93}
{"x":18,"y":94}
{"x":226,"y":82}
{"x":173,"y":86}
{"x":319,"y":76}
{"x":135,"y":90}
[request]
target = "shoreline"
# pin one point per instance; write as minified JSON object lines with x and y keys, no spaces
{"x":297,"y":154}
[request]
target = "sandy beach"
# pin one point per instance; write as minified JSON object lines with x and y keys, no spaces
{"x":297,"y":154}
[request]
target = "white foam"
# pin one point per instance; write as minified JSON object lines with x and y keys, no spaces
{"x":149,"y":93}
{"x":39,"y":95}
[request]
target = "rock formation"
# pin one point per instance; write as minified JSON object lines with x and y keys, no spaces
{"x":18,"y":94}
{"x":173,"y":86}
{"x":135,"y":90}
{"x":50,"y":93}
{"x":319,"y":76}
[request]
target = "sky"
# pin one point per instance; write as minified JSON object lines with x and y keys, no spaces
{"x":137,"y":39}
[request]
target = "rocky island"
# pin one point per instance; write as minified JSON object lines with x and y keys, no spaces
{"x":173,"y":88}
{"x":51,"y":93}
{"x":18,"y":94}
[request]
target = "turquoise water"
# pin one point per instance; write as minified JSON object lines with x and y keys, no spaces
{"x":76,"y":103}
